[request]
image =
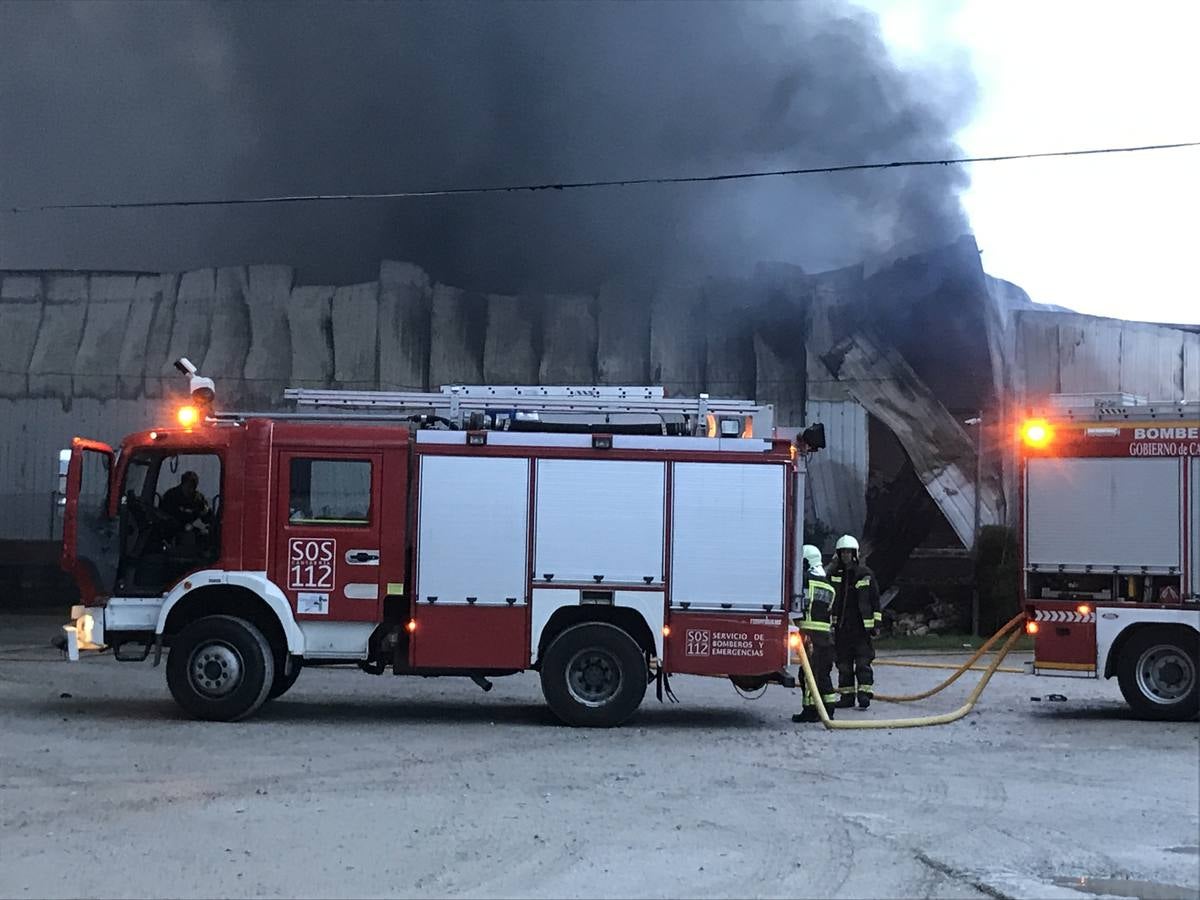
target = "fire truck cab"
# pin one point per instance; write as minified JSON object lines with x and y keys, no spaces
{"x":1111,"y":534}
{"x":440,"y":534}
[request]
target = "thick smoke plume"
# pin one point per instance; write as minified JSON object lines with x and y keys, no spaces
{"x":105,"y":101}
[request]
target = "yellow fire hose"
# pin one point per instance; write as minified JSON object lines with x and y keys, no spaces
{"x":1014,"y":622}
{"x":926,"y":665}
{"x":944,"y":718}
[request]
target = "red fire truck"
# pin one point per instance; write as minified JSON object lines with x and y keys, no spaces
{"x":605,"y":537}
{"x":1111,"y":535}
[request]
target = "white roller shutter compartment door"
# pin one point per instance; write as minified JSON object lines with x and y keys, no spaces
{"x":727,"y":529}
{"x":1103,"y":512}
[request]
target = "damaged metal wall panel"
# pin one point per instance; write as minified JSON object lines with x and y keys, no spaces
{"x":310,"y":323}
{"x":1089,"y":356}
{"x":456,"y":336}
{"x":158,"y":341}
{"x":59,"y":336}
{"x":130,"y":351}
{"x":229,"y":321}
{"x":404,"y":306}
{"x":834,"y":307}
{"x":623,"y":333}
{"x":729,"y":368}
{"x":677,"y":341}
{"x":355,"y":336}
{"x":268,"y":290}
{"x":21,"y":302}
{"x":191,"y":323}
{"x":110,"y":298}
{"x":1152,"y":361}
{"x":568,"y":339}
{"x":837,"y":475}
{"x":512,"y":350}
{"x":940,"y":449}
{"x":1191,"y":366}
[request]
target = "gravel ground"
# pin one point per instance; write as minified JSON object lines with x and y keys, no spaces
{"x":357,"y":786}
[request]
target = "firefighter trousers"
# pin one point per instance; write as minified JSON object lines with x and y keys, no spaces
{"x":819,"y":645}
{"x":854,"y":653}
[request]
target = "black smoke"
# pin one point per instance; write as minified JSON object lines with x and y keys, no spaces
{"x":113,"y":101}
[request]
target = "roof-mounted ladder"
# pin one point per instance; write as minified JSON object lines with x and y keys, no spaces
{"x":456,"y":403}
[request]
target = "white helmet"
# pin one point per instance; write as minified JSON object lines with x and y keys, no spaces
{"x":812,"y":556}
{"x":846,"y":542}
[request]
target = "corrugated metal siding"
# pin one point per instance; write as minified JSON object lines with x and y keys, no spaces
{"x":32,"y":434}
{"x":1070,"y":353}
{"x":837,"y":475}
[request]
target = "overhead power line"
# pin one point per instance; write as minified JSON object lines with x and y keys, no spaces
{"x":580,"y":185}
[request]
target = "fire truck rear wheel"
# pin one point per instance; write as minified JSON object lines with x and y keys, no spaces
{"x":1157,"y":671}
{"x":220,"y":668}
{"x":594,"y":675}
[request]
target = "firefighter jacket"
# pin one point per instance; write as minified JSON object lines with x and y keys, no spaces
{"x":857,"y":596}
{"x":818,"y":605}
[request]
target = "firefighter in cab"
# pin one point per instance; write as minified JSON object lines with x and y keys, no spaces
{"x":856,"y":620}
{"x":817,"y":633}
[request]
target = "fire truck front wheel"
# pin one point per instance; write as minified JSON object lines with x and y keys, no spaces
{"x":594,"y":675}
{"x":1157,"y":671}
{"x":220,"y":668}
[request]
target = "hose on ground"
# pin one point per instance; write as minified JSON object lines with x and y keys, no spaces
{"x":927,"y":665}
{"x":1014,"y":622}
{"x":918,"y":721}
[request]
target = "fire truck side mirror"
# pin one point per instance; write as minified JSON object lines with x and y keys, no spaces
{"x":64,"y":463}
{"x":813,"y":437}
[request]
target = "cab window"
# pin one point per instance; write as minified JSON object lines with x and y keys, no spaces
{"x":329,"y":492}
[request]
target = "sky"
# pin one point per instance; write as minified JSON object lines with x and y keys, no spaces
{"x":1112,"y":235}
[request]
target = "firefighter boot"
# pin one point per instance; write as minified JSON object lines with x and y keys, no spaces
{"x":809,"y":715}
{"x":864,"y":701}
{"x":846,"y":701}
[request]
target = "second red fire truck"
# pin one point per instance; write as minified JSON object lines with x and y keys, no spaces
{"x":1110,"y":542}
{"x":604,"y":537}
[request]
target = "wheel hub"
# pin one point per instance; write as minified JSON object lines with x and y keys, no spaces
{"x":215,"y":669}
{"x":1165,"y":674}
{"x":593,"y":676}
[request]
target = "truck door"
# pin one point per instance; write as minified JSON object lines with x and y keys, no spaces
{"x":329,"y":552}
{"x":90,"y":547}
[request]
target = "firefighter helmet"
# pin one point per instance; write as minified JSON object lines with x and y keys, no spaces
{"x":847,"y":542}
{"x":812,"y":556}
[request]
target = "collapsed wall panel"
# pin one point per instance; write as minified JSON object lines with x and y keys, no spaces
{"x":456,"y":337}
{"x":782,"y":301}
{"x":310,"y":323}
{"x":58,"y":338}
{"x":568,"y":340}
{"x":623,"y":333}
{"x":21,"y":304}
{"x":404,"y":309}
{"x":97,"y":364}
{"x":941,"y":451}
{"x":269,"y":357}
{"x":512,"y":345}
{"x":355,"y":315}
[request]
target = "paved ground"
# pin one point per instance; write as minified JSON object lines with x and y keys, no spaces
{"x":359,"y":786}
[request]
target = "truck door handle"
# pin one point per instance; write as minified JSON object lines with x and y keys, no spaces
{"x":362,"y":557}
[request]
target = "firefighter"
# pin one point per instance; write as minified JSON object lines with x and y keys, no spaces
{"x":185,"y":505}
{"x":856,"y":620}
{"x":817,"y":634}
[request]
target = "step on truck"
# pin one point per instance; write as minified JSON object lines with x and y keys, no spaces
{"x":607,"y":538}
{"x":1110,"y":523}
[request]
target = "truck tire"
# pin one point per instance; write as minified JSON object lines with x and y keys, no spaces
{"x":594,"y":675}
{"x":220,"y":668}
{"x":1157,"y":671}
{"x":283,"y":683}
